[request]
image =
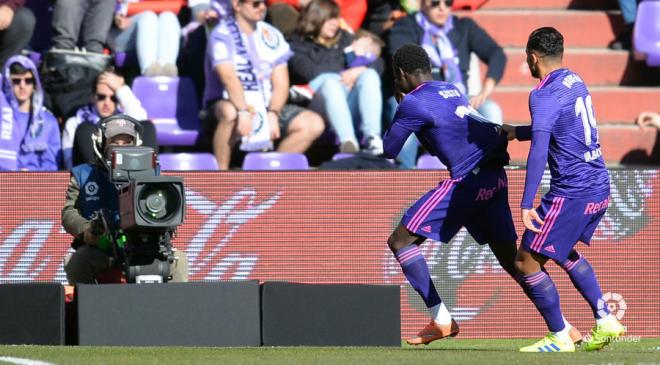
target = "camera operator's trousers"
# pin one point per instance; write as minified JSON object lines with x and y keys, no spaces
{"x":87,"y":262}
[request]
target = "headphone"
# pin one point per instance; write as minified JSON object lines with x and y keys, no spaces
{"x":98,"y":137}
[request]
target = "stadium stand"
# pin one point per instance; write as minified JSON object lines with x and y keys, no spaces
{"x":621,"y":87}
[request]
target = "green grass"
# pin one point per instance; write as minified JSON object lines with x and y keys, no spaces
{"x":462,"y":352}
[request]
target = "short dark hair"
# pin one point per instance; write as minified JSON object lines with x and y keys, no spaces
{"x":547,"y":41}
{"x":17,"y":68}
{"x":412,"y":59}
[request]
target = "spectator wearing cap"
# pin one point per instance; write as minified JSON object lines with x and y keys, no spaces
{"x":29,"y":133}
{"x":449,"y":40}
{"x":110,"y":96}
{"x":89,"y":191}
{"x":16,"y":26}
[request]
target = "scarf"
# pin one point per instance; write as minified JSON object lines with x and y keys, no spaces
{"x":440,"y":50}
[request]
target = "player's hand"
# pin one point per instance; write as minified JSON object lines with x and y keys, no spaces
{"x":274,"y":125}
{"x":89,"y":237}
{"x":529,"y":217}
{"x":646,"y":119}
{"x":244,"y":124}
{"x":509,"y":130}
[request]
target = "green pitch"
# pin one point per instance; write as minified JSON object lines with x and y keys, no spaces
{"x":456,"y":351}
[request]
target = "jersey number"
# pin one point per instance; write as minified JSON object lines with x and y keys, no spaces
{"x":585,"y":110}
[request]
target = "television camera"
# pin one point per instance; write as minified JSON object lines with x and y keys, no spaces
{"x":151,"y":207}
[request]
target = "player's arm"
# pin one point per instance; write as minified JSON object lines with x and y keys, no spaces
{"x":544,"y":115}
{"x":407,"y":120}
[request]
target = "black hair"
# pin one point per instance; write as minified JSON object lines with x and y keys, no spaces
{"x":17,"y":68}
{"x":547,"y":41}
{"x":411,"y":59}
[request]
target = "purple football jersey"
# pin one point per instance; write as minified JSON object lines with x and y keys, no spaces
{"x":562,"y":106}
{"x":446,"y":125}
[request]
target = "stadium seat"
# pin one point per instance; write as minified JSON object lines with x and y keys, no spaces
{"x":341,"y":155}
{"x":171,"y":103}
{"x":187,"y":161}
{"x":646,"y":35}
{"x":428,"y":162}
{"x":275,"y":161}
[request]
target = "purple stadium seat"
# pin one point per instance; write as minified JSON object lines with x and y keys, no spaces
{"x":275,"y":161}
{"x":171,"y":104}
{"x":428,"y":162}
{"x":187,"y":161}
{"x":646,"y":35}
{"x":341,"y":155}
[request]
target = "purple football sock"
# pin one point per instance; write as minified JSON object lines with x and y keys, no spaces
{"x":543,"y":293}
{"x":416,"y":271}
{"x":584,"y":279}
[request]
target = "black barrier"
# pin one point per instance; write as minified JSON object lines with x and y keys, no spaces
{"x":330,"y":315}
{"x":173,"y":314}
{"x":32,"y":314}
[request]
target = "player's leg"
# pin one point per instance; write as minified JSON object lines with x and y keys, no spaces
{"x":426,"y":218}
{"x":584,"y":279}
{"x":535,"y":250}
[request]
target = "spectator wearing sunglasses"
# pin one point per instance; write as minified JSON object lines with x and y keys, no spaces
{"x":449,"y":40}
{"x":110,"y":95}
{"x":29,"y":133}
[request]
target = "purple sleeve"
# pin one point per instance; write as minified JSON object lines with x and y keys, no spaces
{"x":407,"y":120}
{"x":544,"y":109}
{"x":220,"y":49}
{"x":524,"y":132}
{"x":536,"y":160}
{"x":53,"y":155}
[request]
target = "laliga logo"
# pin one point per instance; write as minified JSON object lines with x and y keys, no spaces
{"x":91,"y":188}
{"x":615,"y":304}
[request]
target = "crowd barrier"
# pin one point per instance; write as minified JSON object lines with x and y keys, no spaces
{"x":331,"y":228}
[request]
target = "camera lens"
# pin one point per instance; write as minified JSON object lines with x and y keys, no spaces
{"x":155,"y":204}
{"x":159,"y":202}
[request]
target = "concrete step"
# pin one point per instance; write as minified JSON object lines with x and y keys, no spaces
{"x":598,"y":67}
{"x":611,"y":104}
{"x":619,"y":143}
{"x":551,"y":4}
{"x":511,"y":28}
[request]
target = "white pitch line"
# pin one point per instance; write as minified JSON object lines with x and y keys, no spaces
{"x":21,"y":361}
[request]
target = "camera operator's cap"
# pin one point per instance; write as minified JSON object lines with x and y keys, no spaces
{"x":119,"y":126}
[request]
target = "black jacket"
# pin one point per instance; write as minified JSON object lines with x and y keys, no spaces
{"x":311,"y":59}
{"x":466,"y":36}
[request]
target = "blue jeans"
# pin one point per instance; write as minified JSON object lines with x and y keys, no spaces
{"x":360,"y":106}
{"x":408,"y":156}
{"x":155,"y":38}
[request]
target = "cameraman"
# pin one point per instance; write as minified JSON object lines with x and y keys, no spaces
{"x":91,"y":190}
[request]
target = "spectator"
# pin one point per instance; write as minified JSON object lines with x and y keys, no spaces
{"x":629,"y":13}
{"x":352,"y":12}
{"x":110,"y":96}
{"x":30,"y":135}
{"x":90,"y":19}
{"x":332,"y":62}
{"x":248,"y":85}
{"x":155,"y":38}
{"x":449,"y":41}
{"x":381,"y":16}
{"x":16,"y":27}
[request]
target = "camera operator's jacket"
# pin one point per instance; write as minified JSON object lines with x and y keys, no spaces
{"x":89,"y":191}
